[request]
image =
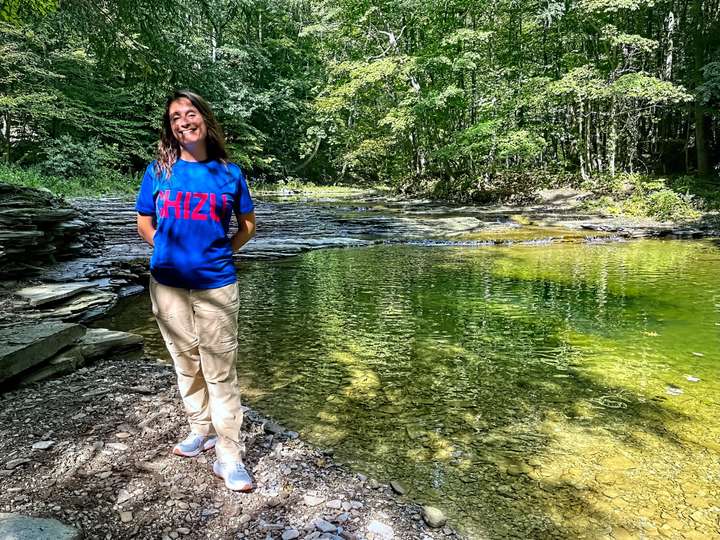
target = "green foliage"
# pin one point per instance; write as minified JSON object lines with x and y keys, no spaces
{"x":708,"y":93}
{"x":639,"y":196}
{"x":640,"y":86}
{"x":69,"y":158}
{"x":475,"y":97}
{"x":105,"y":182}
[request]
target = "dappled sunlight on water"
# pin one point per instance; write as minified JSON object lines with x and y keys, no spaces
{"x":528,"y":391}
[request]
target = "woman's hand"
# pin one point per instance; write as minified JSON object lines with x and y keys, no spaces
{"x":246,"y":230}
{"x":145,"y":228}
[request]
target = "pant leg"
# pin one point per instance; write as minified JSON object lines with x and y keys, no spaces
{"x":216,"y":314}
{"x":173,"y":312}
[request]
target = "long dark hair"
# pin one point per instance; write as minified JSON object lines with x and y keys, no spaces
{"x":168,"y":151}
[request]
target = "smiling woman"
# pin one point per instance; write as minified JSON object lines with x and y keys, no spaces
{"x":184,"y":209}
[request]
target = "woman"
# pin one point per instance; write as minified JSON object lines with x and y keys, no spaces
{"x":183,"y":211}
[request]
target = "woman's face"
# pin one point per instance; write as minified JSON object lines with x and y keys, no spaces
{"x":187,"y":124}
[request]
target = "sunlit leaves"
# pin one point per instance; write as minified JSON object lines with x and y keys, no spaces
{"x":640,"y":86}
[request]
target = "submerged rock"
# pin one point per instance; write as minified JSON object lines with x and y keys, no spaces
{"x":434,"y":517}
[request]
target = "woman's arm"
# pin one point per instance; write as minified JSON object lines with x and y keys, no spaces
{"x":246,"y":230}
{"x":145,"y":228}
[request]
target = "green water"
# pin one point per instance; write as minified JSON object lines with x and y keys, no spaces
{"x":529,"y":391}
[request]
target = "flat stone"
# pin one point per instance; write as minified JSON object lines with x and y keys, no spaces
{"x":126,"y":517}
{"x":48,"y":293}
{"x":380,"y":529}
{"x":120,"y":447}
{"x":397,"y":487}
{"x":14,"y":463}
{"x":123,"y":496}
{"x":312,"y":500}
{"x":324,"y":525}
{"x":85,"y":306}
{"x":23,"y":347}
{"x":19,"y":527}
{"x":97,"y":342}
{"x":434,"y":517}
{"x":43,"y":445}
{"x":290,"y":534}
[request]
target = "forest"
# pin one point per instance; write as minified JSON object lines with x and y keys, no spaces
{"x":466,"y":99}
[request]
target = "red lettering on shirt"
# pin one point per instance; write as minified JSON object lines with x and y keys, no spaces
{"x":224,"y":198}
{"x":196,"y":215}
{"x":213,"y":215}
{"x":172,"y":203}
{"x":186,"y":205}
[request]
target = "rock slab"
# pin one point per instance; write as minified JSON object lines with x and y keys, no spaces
{"x":23,"y":347}
{"x":97,"y":342}
{"x":19,"y":527}
{"x":48,"y":293}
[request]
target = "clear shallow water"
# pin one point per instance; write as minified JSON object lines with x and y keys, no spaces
{"x":531,"y":392}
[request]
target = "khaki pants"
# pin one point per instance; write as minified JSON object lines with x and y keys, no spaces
{"x":200,"y":330}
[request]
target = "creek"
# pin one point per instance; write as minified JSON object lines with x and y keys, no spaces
{"x":530,"y":390}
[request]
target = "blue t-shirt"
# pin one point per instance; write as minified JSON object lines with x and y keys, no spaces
{"x":192,"y":212}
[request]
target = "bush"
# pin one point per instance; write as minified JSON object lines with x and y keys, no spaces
{"x":641,"y":196}
{"x":68,"y":158}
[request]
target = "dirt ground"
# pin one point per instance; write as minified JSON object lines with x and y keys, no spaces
{"x":102,"y":464}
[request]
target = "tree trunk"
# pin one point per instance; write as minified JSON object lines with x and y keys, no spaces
{"x":703,"y":163}
{"x":6,"y":120}
{"x":612,"y":139}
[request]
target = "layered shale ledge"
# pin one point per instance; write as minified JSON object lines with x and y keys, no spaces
{"x":31,"y":353}
{"x":38,"y":228}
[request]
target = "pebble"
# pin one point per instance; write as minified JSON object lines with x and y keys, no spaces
{"x":183,"y":530}
{"x":126,"y":517}
{"x":290,"y":534}
{"x":120,"y":447}
{"x":43,"y":445}
{"x":380,"y":529}
{"x":123,"y":495}
{"x":335,"y":504}
{"x":122,"y":435}
{"x":397,"y":487}
{"x":324,"y":525}
{"x":373,"y":484}
{"x":182,"y":505}
{"x":434,"y":517}
{"x":312,"y":500}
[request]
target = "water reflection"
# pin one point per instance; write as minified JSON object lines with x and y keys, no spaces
{"x":523,"y":389}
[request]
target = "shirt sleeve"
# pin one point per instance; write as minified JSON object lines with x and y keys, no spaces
{"x":145,"y":204}
{"x":243,"y":202}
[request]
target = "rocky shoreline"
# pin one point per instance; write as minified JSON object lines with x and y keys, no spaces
{"x":91,"y":450}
